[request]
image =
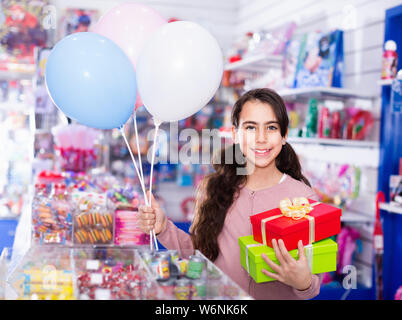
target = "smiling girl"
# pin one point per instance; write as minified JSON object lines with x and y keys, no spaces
{"x":265,"y":171}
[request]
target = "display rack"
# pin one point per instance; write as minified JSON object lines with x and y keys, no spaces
{"x":391,"y":152}
{"x":391,"y":208}
{"x":335,"y":142}
{"x":18,"y":140}
{"x":257,"y":63}
{"x":317,"y":92}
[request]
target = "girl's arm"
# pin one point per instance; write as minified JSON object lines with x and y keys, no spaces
{"x":313,"y":290}
{"x":174,"y":238}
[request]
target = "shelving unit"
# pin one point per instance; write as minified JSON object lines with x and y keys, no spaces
{"x":351,"y":216}
{"x":16,"y":75}
{"x":391,"y":152}
{"x":317,"y":92}
{"x":386,"y":82}
{"x":334,"y":142}
{"x":259,"y":63}
{"x":391,"y":208}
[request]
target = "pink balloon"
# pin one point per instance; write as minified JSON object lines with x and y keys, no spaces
{"x":130,"y":25}
{"x":138,"y":101}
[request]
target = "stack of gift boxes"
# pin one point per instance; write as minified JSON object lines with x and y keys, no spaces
{"x":301,"y":219}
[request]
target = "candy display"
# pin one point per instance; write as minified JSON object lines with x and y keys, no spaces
{"x":45,"y":273}
{"x":52,"y":216}
{"x":126,"y":231}
{"x":75,"y":144}
{"x":189,"y":277}
{"x":115,"y":273}
{"x":112,"y":274}
{"x":93,"y":223}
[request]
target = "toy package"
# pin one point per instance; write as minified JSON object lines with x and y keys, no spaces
{"x":320,"y":60}
{"x":77,"y":20}
{"x":21,"y":31}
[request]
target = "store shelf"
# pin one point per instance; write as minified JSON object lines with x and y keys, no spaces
{"x":15,"y":75}
{"x":335,"y":142}
{"x":258,"y":63}
{"x":351,"y":216}
{"x":391,"y":208}
{"x":315,"y":92}
{"x":385,"y":82}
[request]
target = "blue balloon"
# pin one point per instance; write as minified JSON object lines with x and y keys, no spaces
{"x":91,"y":80}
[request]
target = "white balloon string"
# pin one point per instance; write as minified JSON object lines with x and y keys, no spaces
{"x":135,"y":164}
{"x":157,"y":124}
{"x":138,"y":144}
{"x":151,"y":236}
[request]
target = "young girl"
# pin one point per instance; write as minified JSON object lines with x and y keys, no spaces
{"x":262,"y":170}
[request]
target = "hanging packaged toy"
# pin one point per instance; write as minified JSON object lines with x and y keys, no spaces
{"x":389,"y":60}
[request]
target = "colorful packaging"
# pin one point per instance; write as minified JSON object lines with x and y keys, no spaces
{"x":126,"y":230}
{"x":320,"y":60}
{"x":93,"y":223}
{"x":320,"y":255}
{"x":389,"y":60}
{"x":52,"y":216}
{"x":302,"y":219}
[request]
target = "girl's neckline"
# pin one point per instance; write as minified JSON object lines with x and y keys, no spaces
{"x":264,"y":189}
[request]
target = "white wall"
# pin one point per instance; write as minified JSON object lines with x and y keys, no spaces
{"x":219,"y":17}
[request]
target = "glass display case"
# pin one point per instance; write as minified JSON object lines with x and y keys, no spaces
{"x":118,"y":273}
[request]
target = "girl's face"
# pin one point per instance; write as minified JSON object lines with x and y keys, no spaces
{"x":258,"y":134}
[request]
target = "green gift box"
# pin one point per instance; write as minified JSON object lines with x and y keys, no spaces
{"x":321,"y":256}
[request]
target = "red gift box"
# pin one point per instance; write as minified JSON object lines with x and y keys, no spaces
{"x":323,"y":221}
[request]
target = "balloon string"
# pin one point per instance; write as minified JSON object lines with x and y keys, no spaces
{"x":138,"y":144}
{"x":135,"y":164}
{"x":151,"y":233}
{"x":157,"y":124}
{"x":152,"y":236}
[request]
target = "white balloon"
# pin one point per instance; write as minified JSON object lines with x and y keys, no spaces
{"x":179,"y":70}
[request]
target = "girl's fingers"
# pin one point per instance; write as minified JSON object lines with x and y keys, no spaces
{"x":278,"y":253}
{"x":300,"y":247}
{"x":154,"y":203}
{"x":272,"y":275}
{"x":285,"y":254}
{"x":272,"y":264}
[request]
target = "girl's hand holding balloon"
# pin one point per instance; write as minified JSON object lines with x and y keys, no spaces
{"x":294,"y":273}
{"x":151,"y":218}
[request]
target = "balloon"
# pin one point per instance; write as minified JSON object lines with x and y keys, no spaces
{"x":179,"y":70}
{"x":138,"y":102}
{"x":129,"y":25}
{"x":91,"y":80}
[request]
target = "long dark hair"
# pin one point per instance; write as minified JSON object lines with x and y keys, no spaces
{"x":219,"y":190}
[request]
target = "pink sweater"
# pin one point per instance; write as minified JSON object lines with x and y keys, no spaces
{"x":237,"y":224}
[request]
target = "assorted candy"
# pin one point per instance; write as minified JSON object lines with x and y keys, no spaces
{"x":47,"y":283}
{"x":52,"y":217}
{"x":114,"y":276}
{"x":186,"y":279}
{"x":93,"y":223}
{"x":126,"y":230}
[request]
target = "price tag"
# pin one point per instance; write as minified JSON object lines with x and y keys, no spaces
{"x":96,"y":278}
{"x":92,"y":264}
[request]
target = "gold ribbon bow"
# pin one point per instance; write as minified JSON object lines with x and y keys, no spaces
{"x":296,"y":209}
